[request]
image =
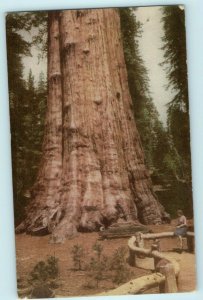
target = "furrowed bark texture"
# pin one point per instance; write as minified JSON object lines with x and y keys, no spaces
{"x":93,"y":170}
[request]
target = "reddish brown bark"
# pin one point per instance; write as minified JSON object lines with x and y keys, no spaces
{"x":93,"y":170}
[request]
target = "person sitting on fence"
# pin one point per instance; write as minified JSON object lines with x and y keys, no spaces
{"x":181,"y":228}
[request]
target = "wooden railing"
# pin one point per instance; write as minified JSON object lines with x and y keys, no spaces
{"x":166,"y":272}
{"x":141,"y":237}
{"x":166,"y":269}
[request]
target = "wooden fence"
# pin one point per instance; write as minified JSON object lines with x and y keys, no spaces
{"x":166,"y":269}
{"x":141,"y":237}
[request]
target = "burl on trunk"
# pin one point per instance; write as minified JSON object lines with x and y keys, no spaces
{"x":92,"y":172}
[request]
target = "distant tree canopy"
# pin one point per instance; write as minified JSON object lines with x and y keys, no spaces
{"x":144,"y":110}
{"x":167,"y":150}
{"x":175,"y":64}
{"x":153,"y":135}
{"x":18,"y":47}
{"x":27,"y":108}
{"x":175,"y":59}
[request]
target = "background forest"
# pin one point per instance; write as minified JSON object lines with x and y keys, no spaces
{"x":167,"y":149}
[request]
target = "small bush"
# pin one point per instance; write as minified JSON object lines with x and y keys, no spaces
{"x":119,"y":266}
{"x":44,"y":271}
{"x":98,"y":265}
{"x":42,"y":291}
{"x":97,"y":268}
{"x":52,"y":267}
{"x":78,"y":256}
{"x":98,"y":249}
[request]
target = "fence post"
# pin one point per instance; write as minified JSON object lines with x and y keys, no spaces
{"x":166,"y":268}
{"x":139,"y":243}
{"x":190,"y":243}
{"x":156,"y":245}
{"x":139,"y":240}
{"x":131,"y":259}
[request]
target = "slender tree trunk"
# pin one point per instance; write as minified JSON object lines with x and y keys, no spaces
{"x":93,"y":170}
{"x":44,"y":206}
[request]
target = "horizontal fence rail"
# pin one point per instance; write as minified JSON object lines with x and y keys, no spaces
{"x":141,"y":237}
{"x":166,"y":269}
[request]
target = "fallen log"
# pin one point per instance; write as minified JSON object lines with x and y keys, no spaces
{"x":121,"y":230}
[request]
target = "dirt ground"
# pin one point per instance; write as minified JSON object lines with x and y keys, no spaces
{"x":30,"y":250}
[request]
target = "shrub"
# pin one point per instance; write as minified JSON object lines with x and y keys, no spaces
{"x":119,"y":266}
{"x":98,"y":265}
{"x":98,"y":249}
{"x":44,"y":271}
{"x":97,"y":269}
{"x":78,"y":255}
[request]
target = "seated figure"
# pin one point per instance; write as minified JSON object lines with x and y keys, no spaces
{"x":181,"y":228}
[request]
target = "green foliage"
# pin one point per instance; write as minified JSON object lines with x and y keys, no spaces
{"x":175,"y":63}
{"x":101,"y":267}
{"x":52,"y":266}
{"x":17,"y":24}
{"x":39,"y":20}
{"x":44,"y":271}
{"x":42,"y":84}
{"x":96,"y":269}
{"x":151,"y":130}
{"x":27,"y":107}
{"x":78,"y":256}
{"x":98,"y":265}
{"x":178,"y":126}
{"x":98,"y":249}
{"x":30,"y":82}
{"x":167,"y":151}
{"x":175,"y":60}
{"x":146,"y":115}
{"x":16,"y":48}
{"x":137,"y":74}
{"x":119,"y":265}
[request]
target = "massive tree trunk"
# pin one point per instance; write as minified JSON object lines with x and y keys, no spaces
{"x":92,"y":172}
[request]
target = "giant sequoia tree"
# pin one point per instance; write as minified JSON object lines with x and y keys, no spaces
{"x":92,"y":170}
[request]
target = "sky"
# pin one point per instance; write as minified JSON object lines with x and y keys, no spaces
{"x":33,"y":62}
{"x":149,"y":43}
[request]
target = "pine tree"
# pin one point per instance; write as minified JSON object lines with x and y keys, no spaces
{"x":16,"y":48}
{"x":42,"y":85}
{"x":175,"y":64}
{"x":25,"y":112}
{"x":154,"y":137}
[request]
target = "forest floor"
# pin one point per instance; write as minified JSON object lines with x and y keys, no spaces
{"x":30,"y":250}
